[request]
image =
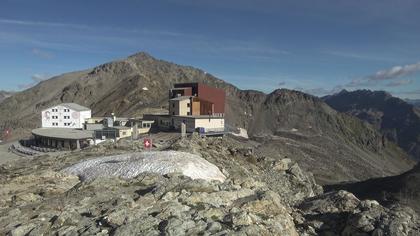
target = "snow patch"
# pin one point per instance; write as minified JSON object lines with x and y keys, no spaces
{"x":131,"y":165}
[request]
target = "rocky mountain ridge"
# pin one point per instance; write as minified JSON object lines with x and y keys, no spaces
{"x":337,"y":147}
{"x":5,"y":94}
{"x":396,"y":119}
{"x":414,"y":102}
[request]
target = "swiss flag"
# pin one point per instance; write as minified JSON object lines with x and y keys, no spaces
{"x":147,"y":143}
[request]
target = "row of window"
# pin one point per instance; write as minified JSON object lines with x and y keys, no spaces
{"x":173,"y":105}
{"x":146,"y":125}
{"x":56,"y":124}
{"x":56,"y":110}
{"x":65,"y":117}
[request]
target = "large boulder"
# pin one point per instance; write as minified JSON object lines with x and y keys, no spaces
{"x":341,"y":213}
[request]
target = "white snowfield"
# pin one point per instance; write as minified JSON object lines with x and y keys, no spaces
{"x":161,"y":162}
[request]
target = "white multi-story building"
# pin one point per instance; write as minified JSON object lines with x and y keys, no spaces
{"x":65,"y":115}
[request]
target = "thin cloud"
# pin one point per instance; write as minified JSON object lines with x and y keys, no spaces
{"x":322,"y":91}
{"x":412,"y":94}
{"x":399,"y":83}
{"x":42,"y":53}
{"x":355,"y":55}
{"x":393,"y":73}
{"x":36,"y":78}
{"x":42,"y":23}
{"x":90,"y":27}
{"x":282,"y":83}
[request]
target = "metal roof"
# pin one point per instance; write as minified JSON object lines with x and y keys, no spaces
{"x":118,"y":127}
{"x":75,"y":106}
{"x":63,"y":133}
{"x":70,"y":105}
{"x":181,"y":98}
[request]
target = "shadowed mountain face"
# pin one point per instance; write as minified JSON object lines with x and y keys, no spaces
{"x":403,"y":189}
{"x":335,"y":146}
{"x":414,"y":102}
{"x":396,"y":119}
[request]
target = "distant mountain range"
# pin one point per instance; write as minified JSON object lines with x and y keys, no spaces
{"x":395,"y":118}
{"x":414,"y":102}
{"x":334,"y":146}
{"x":5,"y":94}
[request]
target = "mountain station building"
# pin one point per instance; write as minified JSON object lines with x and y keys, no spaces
{"x":65,"y":115}
{"x":198,"y":106}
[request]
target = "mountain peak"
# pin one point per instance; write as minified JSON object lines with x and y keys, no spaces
{"x":343,"y":91}
{"x":141,"y":55}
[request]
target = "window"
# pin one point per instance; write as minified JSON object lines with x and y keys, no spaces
{"x":173,"y":113}
{"x":66,"y":110}
{"x":66,"y":117}
{"x":124,"y":133}
{"x":173,"y":105}
{"x":188,"y":113}
{"x":188,"y":104}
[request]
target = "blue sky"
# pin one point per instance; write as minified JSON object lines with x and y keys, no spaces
{"x":318,"y":47}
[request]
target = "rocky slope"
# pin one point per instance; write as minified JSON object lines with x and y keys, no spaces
{"x":5,"y":94}
{"x":403,"y":189}
{"x":395,"y":118}
{"x":334,"y":146}
{"x":261,"y":196}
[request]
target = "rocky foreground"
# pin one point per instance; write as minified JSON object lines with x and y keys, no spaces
{"x":260,"y":196}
